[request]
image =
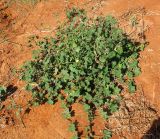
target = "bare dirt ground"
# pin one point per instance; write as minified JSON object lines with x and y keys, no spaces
{"x":137,"y":113}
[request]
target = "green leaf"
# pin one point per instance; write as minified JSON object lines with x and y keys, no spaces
{"x":66,"y":113}
{"x":119,"y":49}
{"x":50,"y":101}
{"x":131,"y":87}
{"x":112,"y":54}
{"x":35,"y":54}
{"x":86,"y":107}
{"x":117,"y":90}
{"x":77,"y":49}
{"x":107,"y":134}
{"x":137,"y":71}
{"x":113,"y":107}
{"x":70,"y":99}
{"x":75,"y":137}
{"x":104,"y":114}
{"x":2,"y":90}
{"x":29,"y":87}
{"x":72,"y":127}
{"x":110,"y":20}
{"x":107,"y":92}
{"x":88,"y":96}
{"x":142,"y":46}
{"x":102,"y":59}
{"x":129,"y":75}
{"x":75,"y":93}
{"x":3,"y":93}
{"x":133,"y":64}
{"x":117,"y":73}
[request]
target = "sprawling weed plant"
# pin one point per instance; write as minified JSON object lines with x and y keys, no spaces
{"x":89,"y":61}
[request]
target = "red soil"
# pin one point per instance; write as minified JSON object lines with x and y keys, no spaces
{"x":23,"y":20}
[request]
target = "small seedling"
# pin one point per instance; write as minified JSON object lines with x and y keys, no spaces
{"x":133,"y":21}
{"x":2,"y":93}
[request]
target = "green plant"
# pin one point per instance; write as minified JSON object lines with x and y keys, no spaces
{"x":133,"y":21}
{"x":17,"y":109}
{"x":89,"y":61}
{"x":3,"y":92}
{"x":107,"y":134}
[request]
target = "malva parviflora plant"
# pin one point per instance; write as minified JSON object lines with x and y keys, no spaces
{"x":89,"y":61}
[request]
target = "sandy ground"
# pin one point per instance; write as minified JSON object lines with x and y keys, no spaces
{"x":19,"y":21}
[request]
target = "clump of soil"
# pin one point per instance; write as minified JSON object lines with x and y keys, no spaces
{"x":6,"y":119}
{"x":135,"y":117}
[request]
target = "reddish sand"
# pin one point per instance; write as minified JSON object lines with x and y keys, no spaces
{"x":46,"y":122}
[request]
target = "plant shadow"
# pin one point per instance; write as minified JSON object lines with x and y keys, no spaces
{"x":154,"y":131}
{"x":9,"y":91}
